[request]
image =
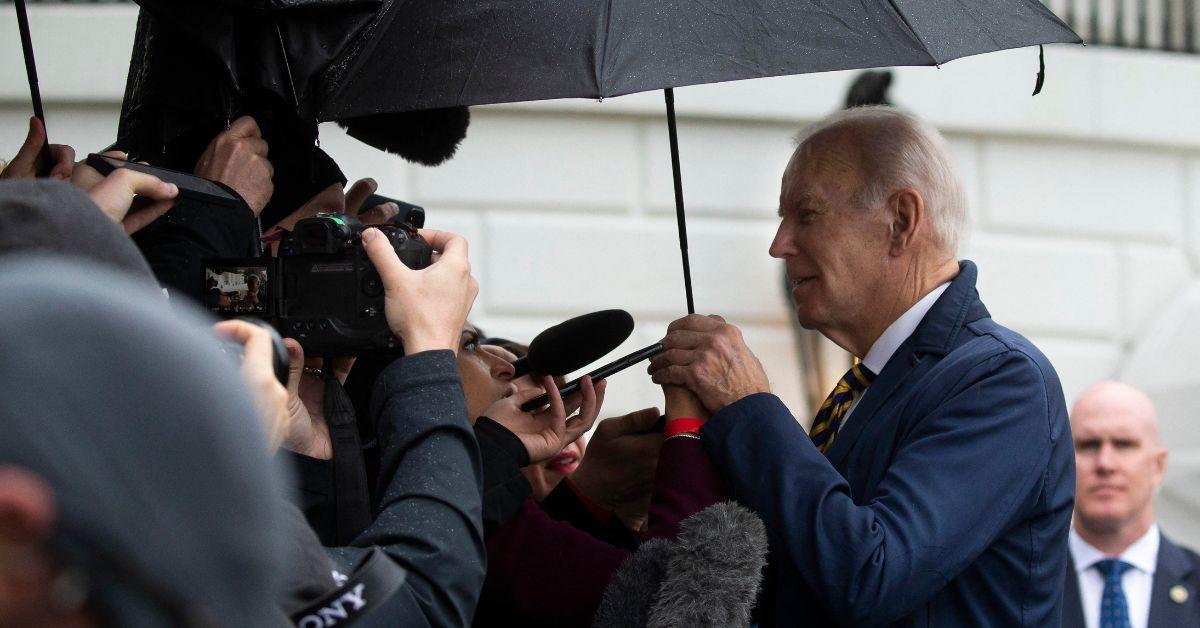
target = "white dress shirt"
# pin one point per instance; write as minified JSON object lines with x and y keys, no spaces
{"x":893,"y":337}
{"x":1137,"y":582}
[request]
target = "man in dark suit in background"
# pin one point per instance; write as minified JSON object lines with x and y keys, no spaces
{"x":936,"y":484}
{"x":1123,"y":572}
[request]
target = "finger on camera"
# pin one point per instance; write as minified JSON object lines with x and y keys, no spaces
{"x":359,"y":193}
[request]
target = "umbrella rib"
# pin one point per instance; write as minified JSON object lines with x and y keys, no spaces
{"x":912,"y":31}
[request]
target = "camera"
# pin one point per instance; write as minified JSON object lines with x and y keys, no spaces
{"x":320,"y":288}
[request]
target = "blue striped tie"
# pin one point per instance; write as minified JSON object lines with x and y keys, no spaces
{"x":1114,"y":608}
{"x":837,"y":404}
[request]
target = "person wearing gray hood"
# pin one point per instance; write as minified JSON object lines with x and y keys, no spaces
{"x":136,"y":487}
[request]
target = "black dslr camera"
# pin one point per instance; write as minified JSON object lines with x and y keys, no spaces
{"x":321,"y":288}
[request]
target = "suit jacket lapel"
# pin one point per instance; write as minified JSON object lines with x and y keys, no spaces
{"x":884,"y":386}
{"x":1172,"y":570}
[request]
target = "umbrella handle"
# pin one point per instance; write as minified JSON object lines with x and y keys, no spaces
{"x":669,"y":96}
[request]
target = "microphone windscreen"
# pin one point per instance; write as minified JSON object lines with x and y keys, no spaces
{"x":631,"y":589}
{"x":576,"y":343}
{"x":428,"y":137}
{"x":713,"y":571}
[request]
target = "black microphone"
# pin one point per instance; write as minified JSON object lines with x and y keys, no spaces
{"x":575,"y":343}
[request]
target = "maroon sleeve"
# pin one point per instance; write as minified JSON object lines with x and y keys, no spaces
{"x":685,"y":483}
{"x":543,"y":572}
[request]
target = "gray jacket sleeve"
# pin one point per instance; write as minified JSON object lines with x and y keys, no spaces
{"x":429,"y":515}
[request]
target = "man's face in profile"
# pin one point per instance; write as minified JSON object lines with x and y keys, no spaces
{"x":834,"y":249}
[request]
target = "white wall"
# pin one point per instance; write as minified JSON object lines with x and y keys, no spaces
{"x":1085,"y":200}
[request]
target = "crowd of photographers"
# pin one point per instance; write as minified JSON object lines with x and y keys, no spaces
{"x":161,"y":467}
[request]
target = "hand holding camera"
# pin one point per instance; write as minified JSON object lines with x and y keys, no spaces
{"x":425,"y":308}
{"x":259,"y":373}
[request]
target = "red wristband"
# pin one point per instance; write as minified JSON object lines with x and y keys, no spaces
{"x":681,"y":425}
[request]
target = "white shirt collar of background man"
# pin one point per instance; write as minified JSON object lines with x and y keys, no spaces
{"x":1143,"y":554}
{"x":900,"y":330}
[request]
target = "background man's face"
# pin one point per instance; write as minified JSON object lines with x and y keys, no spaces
{"x":834,"y":250}
{"x":1118,"y":464}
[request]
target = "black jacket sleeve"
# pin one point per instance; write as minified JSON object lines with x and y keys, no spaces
{"x":504,"y":488}
{"x":190,"y":232}
{"x":428,"y":518}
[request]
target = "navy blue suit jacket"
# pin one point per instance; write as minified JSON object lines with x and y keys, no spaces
{"x":945,"y":499}
{"x":1178,"y":569}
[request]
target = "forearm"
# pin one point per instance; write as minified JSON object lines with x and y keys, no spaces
{"x":686,"y":482}
{"x":504,"y":487}
{"x":428,"y":516}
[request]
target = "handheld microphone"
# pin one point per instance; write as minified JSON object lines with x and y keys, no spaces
{"x":575,"y":343}
{"x":632,"y":588}
{"x":713,"y":570}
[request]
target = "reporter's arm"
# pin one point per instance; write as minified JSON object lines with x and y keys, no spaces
{"x":429,"y":512}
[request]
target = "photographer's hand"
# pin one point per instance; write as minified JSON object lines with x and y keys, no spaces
{"x":115,"y":194}
{"x":24,"y":164}
{"x":545,"y":432}
{"x":426,"y":308}
{"x":258,"y":372}
{"x":237,"y":157}
{"x":307,"y":432}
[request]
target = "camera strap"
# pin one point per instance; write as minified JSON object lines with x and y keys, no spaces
{"x":372,"y":584}
{"x":351,"y":492}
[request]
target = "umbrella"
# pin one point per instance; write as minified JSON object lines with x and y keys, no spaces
{"x":429,"y":54}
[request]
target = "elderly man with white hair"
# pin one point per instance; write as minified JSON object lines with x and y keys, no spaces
{"x":935,"y":485}
{"x":1123,"y":572}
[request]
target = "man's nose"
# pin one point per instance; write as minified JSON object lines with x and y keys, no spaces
{"x":782,"y":244}
{"x":1106,"y":459}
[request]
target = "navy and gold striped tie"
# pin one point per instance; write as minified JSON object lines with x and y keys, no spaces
{"x":837,"y":404}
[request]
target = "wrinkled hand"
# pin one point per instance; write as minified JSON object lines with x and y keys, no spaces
{"x":115,"y":194}
{"x":307,"y":433}
{"x":258,"y":372}
{"x":708,"y":356}
{"x":426,"y":308}
{"x":546,"y":431}
{"x":237,"y":157}
{"x":617,"y":471}
{"x":24,"y":165}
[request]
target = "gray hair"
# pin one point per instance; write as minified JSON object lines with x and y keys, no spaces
{"x":898,"y":150}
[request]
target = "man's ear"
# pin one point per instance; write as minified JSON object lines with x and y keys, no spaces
{"x":906,"y":209}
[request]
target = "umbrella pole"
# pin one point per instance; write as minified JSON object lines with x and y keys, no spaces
{"x":669,"y":95}
{"x":35,"y":92}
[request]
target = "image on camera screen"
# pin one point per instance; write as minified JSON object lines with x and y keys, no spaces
{"x":240,"y":289}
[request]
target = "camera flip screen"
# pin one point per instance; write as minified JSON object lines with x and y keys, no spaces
{"x":237,"y":289}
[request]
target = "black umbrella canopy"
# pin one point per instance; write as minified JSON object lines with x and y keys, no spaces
{"x":441,"y":53}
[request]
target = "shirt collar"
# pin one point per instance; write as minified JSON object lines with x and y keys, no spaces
{"x":900,"y":330}
{"x":1142,"y":554}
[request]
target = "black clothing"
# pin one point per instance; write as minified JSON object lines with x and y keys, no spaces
{"x":177,"y":243}
{"x":428,"y":513}
{"x":504,"y":488}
